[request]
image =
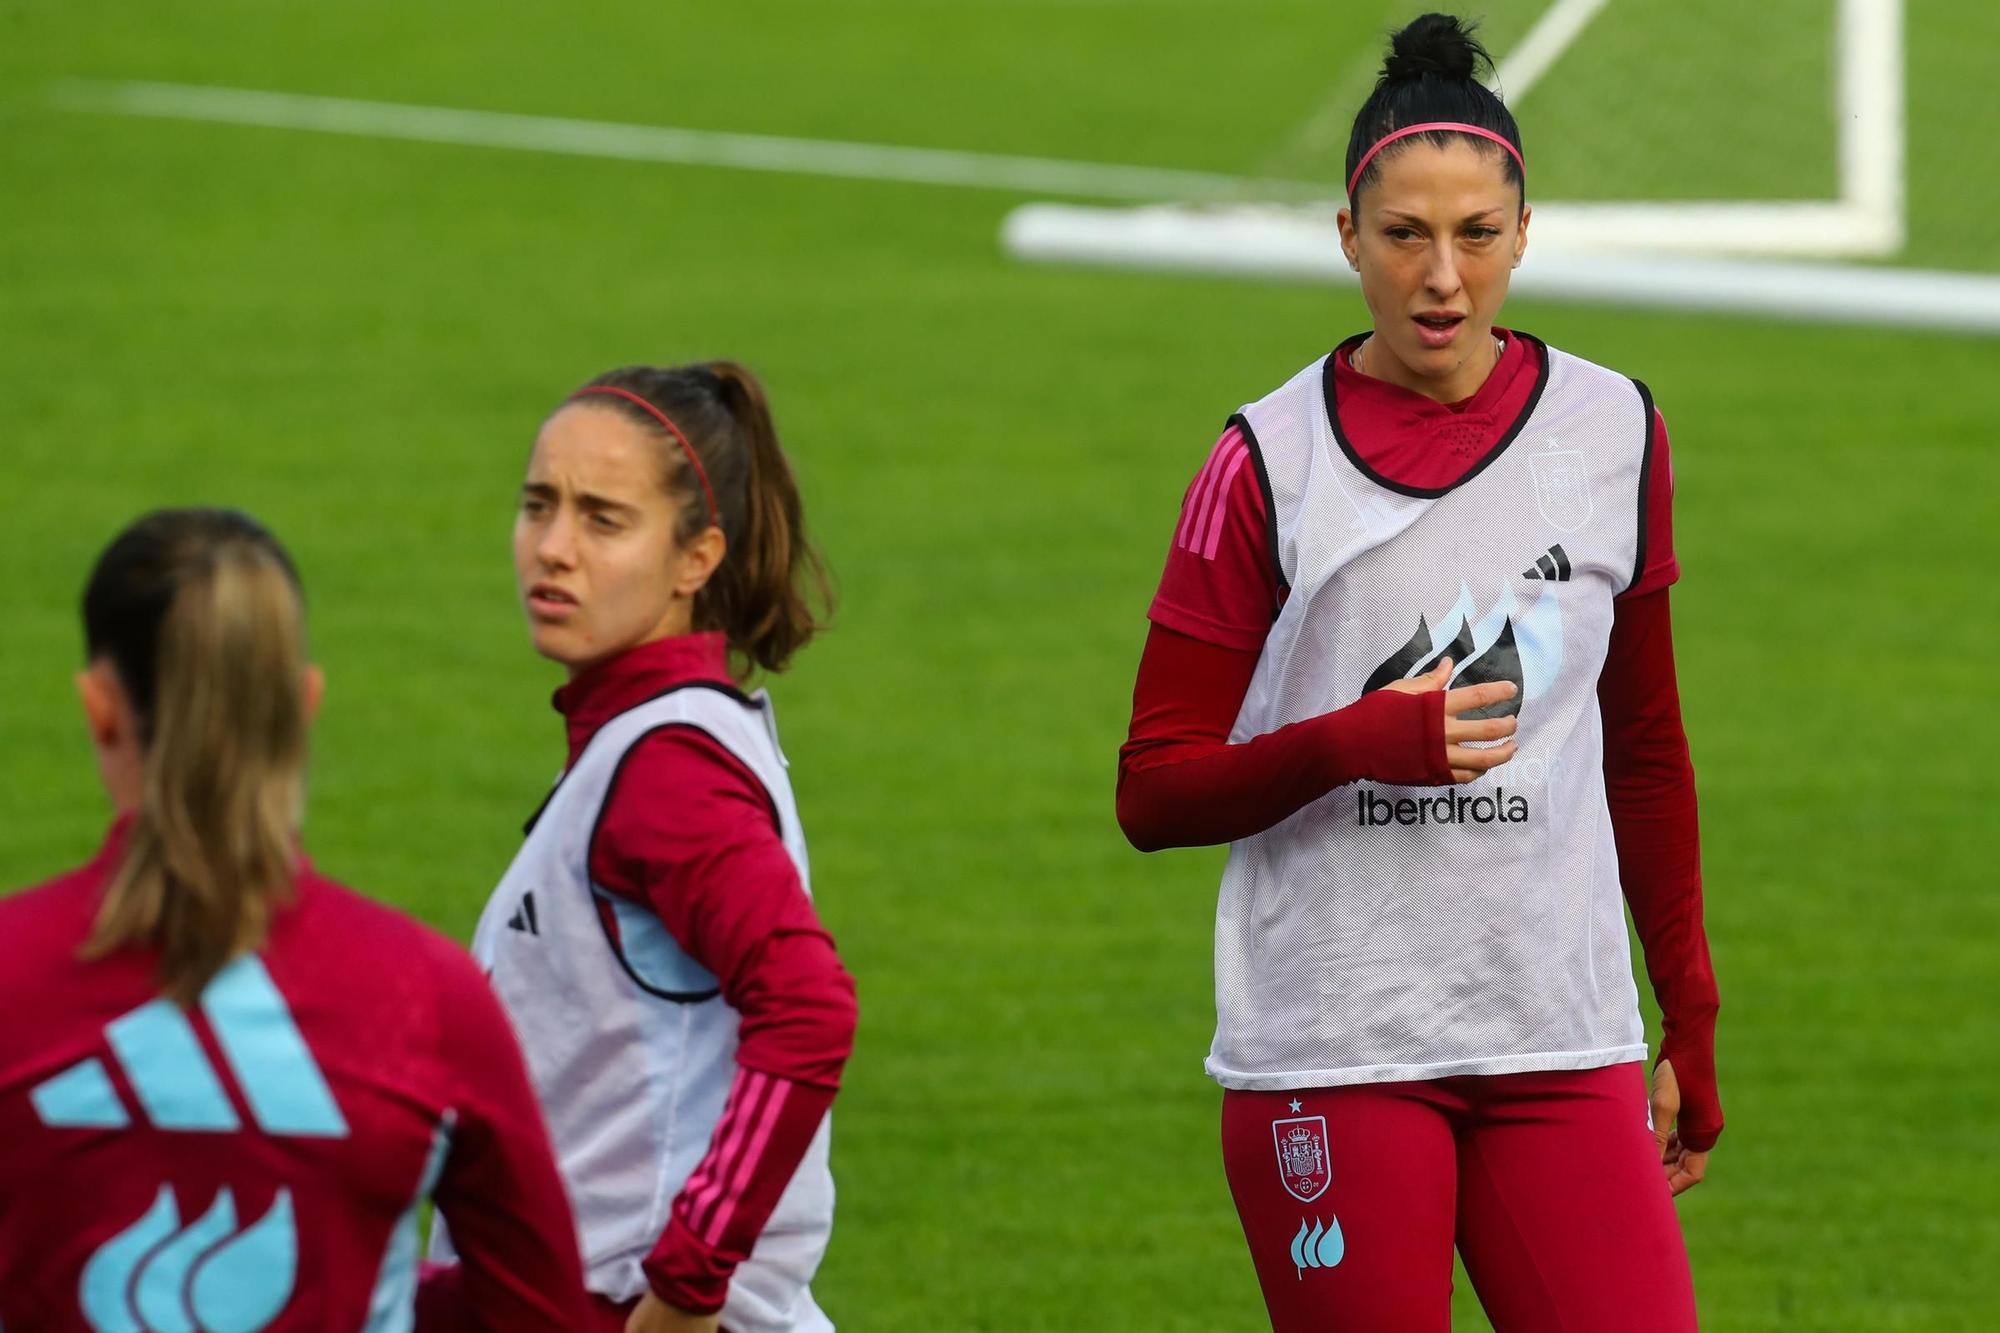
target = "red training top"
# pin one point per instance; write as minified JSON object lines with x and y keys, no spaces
{"x":1180,"y":783}
{"x":258,"y":1162}
{"x":689,"y":832}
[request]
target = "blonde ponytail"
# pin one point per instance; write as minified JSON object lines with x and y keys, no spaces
{"x":213,"y":844}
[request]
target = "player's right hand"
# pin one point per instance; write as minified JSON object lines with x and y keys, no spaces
{"x":653,"y":1315}
{"x":1467,"y":762}
{"x":1685,"y":1168}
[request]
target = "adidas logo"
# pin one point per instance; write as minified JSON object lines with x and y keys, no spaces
{"x":153,"y":1275}
{"x":1553,"y":566}
{"x":176,"y":1087}
{"x":524,"y":915}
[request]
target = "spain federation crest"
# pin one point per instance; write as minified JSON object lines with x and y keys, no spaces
{"x":1562,"y":487}
{"x":1302,"y":1159}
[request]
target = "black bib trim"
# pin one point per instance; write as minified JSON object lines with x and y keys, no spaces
{"x":1645,"y":480}
{"x":1428,"y":492}
{"x":1242,"y":423}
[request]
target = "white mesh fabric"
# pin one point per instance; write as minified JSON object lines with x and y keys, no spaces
{"x":633,"y":1082}
{"x":1387,"y":933}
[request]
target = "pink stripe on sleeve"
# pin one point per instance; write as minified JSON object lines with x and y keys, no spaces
{"x":697,"y":1181}
{"x":1183,"y":535}
{"x":766,"y":1122}
{"x":1205,"y":505}
{"x":731,"y":1137}
{"x":1219,"y":512}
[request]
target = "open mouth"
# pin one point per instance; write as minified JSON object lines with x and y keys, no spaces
{"x":545,"y":599}
{"x":1439,"y":328}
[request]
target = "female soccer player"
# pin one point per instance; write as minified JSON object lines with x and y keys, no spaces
{"x":1411,"y":657}
{"x":685,"y":1015}
{"x":227,"y":1083}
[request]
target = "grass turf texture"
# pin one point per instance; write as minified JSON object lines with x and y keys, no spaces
{"x":355,"y":339}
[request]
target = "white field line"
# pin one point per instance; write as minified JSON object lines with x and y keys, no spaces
{"x":1321,"y":136}
{"x":655,"y":143}
{"x":1281,"y":244}
{"x":1559,"y":26}
{"x":1553,"y":33}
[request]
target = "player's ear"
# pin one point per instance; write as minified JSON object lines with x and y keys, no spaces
{"x":103,"y":700}
{"x":1350,"y":239}
{"x":315,"y":689}
{"x":1521,"y":235}
{"x":700,"y":559}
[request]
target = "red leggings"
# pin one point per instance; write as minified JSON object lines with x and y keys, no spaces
{"x":1549,"y":1184}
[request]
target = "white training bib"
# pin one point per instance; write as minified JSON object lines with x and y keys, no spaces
{"x":1390,"y":933}
{"x":630,"y":1043}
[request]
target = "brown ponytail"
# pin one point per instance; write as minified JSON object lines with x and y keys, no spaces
{"x":770,"y":594}
{"x":756,"y":597}
{"x":198,"y":612}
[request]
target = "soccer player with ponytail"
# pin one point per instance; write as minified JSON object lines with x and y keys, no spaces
{"x":1411,"y":658}
{"x":685,"y":1015}
{"x":227,"y":1084}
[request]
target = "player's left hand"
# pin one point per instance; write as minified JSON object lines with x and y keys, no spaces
{"x":653,"y":1315}
{"x":1685,"y":1169}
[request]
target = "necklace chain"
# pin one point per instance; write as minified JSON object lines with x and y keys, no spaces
{"x":1354,"y":358}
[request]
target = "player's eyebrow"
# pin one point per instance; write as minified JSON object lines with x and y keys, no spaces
{"x":1398,"y":215}
{"x":604,"y":504}
{"x":585,"y":500}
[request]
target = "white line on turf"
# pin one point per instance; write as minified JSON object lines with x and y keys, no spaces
{"x":1322,"y":134}
{"x":1289,"y":246}
{"x":658,"y":143}
{"x":1560,"y":25}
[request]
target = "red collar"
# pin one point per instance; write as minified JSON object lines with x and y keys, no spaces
{"x":613,"y":686}
{"x":1379,"y":396}
{"x":1406,"y":440}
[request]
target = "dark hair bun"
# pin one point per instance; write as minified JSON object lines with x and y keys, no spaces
{"x":1434,"y":44}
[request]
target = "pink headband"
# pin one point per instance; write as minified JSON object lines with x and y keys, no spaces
{"x":1426,"y":128}
{"x":714,"y":514}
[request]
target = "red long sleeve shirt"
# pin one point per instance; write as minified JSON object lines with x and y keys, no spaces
{"x":690,"y":833}
{"x":123,"y":1117}
{"x":1180,"y":783}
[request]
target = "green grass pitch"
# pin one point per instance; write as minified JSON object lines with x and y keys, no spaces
{"x":356,"y":338}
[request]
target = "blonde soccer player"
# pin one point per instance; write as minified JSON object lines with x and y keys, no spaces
{"x":228,"y":1084}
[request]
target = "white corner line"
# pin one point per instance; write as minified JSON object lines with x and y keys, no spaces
{"x":1554,"y":32}
{"x":659,"y":143}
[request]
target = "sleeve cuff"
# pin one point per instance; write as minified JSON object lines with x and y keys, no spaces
{"x":1436,"y":752}
{"x":687,"y":1274}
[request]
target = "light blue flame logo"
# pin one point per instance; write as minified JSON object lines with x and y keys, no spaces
{"x":1321,"y":1246}
{"x":158,"y":1276}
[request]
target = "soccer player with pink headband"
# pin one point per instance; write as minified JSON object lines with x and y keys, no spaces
{"x":1411,"y":658}
{"x":684,"y":1013}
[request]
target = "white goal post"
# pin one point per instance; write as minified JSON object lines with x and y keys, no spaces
{"x":1866,"y":220}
